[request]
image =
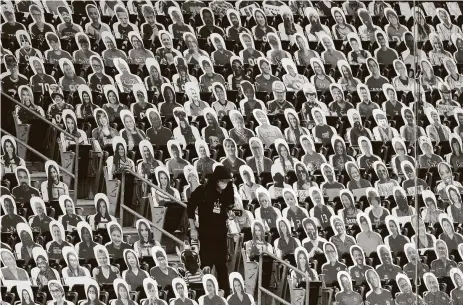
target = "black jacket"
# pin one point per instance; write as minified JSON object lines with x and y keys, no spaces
{"x":206,"y":198}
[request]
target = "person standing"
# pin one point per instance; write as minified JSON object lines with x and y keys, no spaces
{"x":213,"y":212}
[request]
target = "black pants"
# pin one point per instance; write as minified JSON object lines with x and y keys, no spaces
{"x":213,"y":251}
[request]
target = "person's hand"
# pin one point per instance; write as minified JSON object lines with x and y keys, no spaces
{"x":194,"y":233}
{"x":231,"y":215}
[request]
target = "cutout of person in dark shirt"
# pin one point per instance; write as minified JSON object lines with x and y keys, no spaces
{"x":341,"y":239}
{"x":166,"y":53}
{"x":406,"y":296}
{"x":377,"y":295}
{"x":94,"y":27}
{"x":451,"y":238}
{"x":122,"y":27}
{"x":10,"y":218}
{"x":84,"y":249}
{"x":26,"y":50}
{"x":116,"y":246}
{"x":11,"y":80}
{"x":332,"y":267}
{"x":409,"y":184}
{"x":395,"y":240}
{"x":23,"y":192}
{"x":150,"y":29}
{"x":111,"y":52}
{"x":98,"y":79}
{"x":209,"y":76}
{"x":321,"y":212}
{"x":367,"y":157}
{"x":205,"y":163}
{"x":414,"y":262}
{"x":181,"y":292}
{"x":55,"y":247}
{"x":10,"y":27}
{"x":347,"y":295}
{"x":442,"y":265}
{"x":158,"y":134}
{"x":455,"y":209}
{"x":428,"y":159}
{"x":387,"y":269}
{"x":265,"y":79}
{"x":250,"y":102}
{"x":322,"y":132}
{"x":40,"y":219}
{"x":39,"y":28}
{"x":357,"y":185}
{"x":178,"y":26}
{"x":358,"y":270}
{"x":67,"y":29}
{"x":235,"y":28}
{"x":221,"y":56}
{"x":457,"y":278}
{"x":25,"y":249}
{"x":384,"y":54}
{"x":403,"y":211}
{"x":162,"y":272}
{"x":55,"y":53}
{"x":375,"y":80}
{"x":40,"y":81}
{"x":357,"y":130}
{"x":208,"y":27}
{"x":434,"y":295}
{"x":392,"y":107}
{"x":104,"y":273}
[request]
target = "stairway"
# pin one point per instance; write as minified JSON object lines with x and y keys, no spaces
{"x":88,"y":207}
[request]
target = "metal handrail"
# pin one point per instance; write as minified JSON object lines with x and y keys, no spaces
{"x":40,"y":117}
{"x":124,"y":207}
{"x":151,"y":184}
{"x":55,"y":126}
{"x":287,"y":265}
{"x":37,"y":152}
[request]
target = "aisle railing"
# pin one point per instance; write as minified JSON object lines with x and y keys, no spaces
{"x":124,"y":208}
{"x":36,"y":152}
{"x":271,"y":294}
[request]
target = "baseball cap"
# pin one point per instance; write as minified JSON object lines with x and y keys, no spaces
{"x":309,"y":88}
{"x":278,"y":86}
{"x":56,"y":94}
